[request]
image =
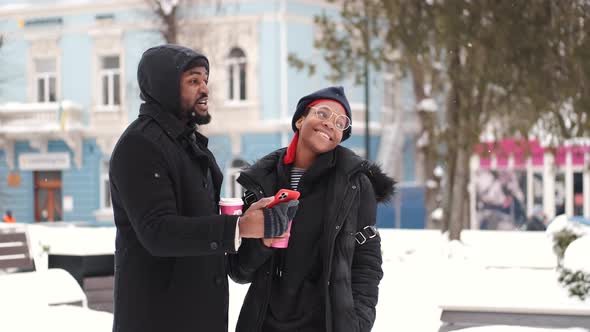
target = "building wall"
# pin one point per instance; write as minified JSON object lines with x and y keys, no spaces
{"x":18,"y":199}
{"x":276,"y":103}
{"x":269,"y":79}
{"x":135,"y":43}
{"x":13,"y":64}
{"x":82,"y":184}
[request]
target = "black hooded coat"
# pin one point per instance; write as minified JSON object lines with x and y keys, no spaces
{"x":171,"y":245}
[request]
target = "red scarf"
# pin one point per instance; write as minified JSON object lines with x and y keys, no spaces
{"x":290,"y":155}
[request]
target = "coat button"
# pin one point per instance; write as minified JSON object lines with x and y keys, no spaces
{"x":218,"y":280}
{"x":205,"y":185}
{"x":157,"y":175}
{"x":337,"y":226}
{"x":353,"y":187}
{"x":213,"y":245}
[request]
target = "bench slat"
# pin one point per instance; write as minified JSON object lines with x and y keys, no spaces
{"x":16,"y":263}
{"x":7,"y":251}
{"x":519,"y":319}
{"x":13,"y":237}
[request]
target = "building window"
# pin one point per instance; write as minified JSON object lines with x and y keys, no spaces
{"x":105,"y":188}
{"x":236,"y":72}
{"x":110,"y":81}
{"x":46,"y":80}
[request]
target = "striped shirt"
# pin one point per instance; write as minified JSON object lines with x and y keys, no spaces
{"x":296,"y":174}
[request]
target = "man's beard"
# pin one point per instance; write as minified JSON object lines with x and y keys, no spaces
{"x":192,"y":117}
{"x":200,"y":119}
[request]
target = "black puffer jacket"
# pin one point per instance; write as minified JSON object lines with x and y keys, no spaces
{"x":351,"y":272}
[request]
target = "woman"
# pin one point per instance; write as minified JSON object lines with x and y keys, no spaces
{"x":327,"y":278}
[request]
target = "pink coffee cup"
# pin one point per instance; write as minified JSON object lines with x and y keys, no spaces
{"x":283,"y":242}
{"x":230,"y":206}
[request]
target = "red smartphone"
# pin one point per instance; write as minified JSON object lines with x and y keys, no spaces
{"x":283,"y":195}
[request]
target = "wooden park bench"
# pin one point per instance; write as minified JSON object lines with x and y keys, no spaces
{"x":19,"y":281}
{"x":14,"y":250}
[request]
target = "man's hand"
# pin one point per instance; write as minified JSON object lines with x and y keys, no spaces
{"x":252,"y":222}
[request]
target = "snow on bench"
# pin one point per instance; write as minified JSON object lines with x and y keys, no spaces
{"x":510,"y":296}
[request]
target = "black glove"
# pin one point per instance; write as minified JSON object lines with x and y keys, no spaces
{"x":276,"y":219}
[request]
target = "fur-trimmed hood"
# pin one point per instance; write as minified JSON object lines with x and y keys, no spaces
{"x":383,"y":185}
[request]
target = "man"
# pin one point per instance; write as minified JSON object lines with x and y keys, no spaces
{"x":537,"y":220}
{"x":171,"y":246}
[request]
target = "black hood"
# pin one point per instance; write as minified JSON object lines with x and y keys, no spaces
{"x":158,"y":75}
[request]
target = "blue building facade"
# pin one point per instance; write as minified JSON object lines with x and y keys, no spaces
{"x":68,"y":89}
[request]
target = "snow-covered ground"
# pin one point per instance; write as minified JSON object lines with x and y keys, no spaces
{"x":422,"y":271}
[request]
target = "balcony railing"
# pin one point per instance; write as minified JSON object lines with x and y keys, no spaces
{"x":18,"y":118}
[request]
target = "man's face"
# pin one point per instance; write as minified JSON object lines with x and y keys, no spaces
{"x":194,"y":95}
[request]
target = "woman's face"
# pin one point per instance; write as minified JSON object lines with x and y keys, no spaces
{"x":319,"y":134}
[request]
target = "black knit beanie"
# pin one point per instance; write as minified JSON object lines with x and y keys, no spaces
{"x":335,"y":93}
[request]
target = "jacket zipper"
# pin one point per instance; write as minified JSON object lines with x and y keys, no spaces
{"x":332,"y":242}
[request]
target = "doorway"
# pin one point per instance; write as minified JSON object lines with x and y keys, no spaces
{"x":48,"y":196}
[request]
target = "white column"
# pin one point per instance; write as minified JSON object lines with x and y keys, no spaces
{"x":75,"y":143}
{"x":236,"y":143}
{"x":569,"y":184}
{"x":549,"y":185}
{"x":530,"y":195}
{"x":283,"y":61}
{"x":473,"y":167}
{"x":9,"y":154}
{"x":511,"y":162}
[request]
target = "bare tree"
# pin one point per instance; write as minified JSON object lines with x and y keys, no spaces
{"x":495,"y":68}
{"x":166,"y":12}
{"x":172,"y":13}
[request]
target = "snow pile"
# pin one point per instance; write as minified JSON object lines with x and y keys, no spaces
{"x":565,"y":223}
{"x":576,"y":255}
{"x":63,"y":318}
{"x":168,"y":5}
{"x":506,"y":328}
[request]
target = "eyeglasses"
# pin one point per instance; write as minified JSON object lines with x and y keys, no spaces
{"x":324,"y":113}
